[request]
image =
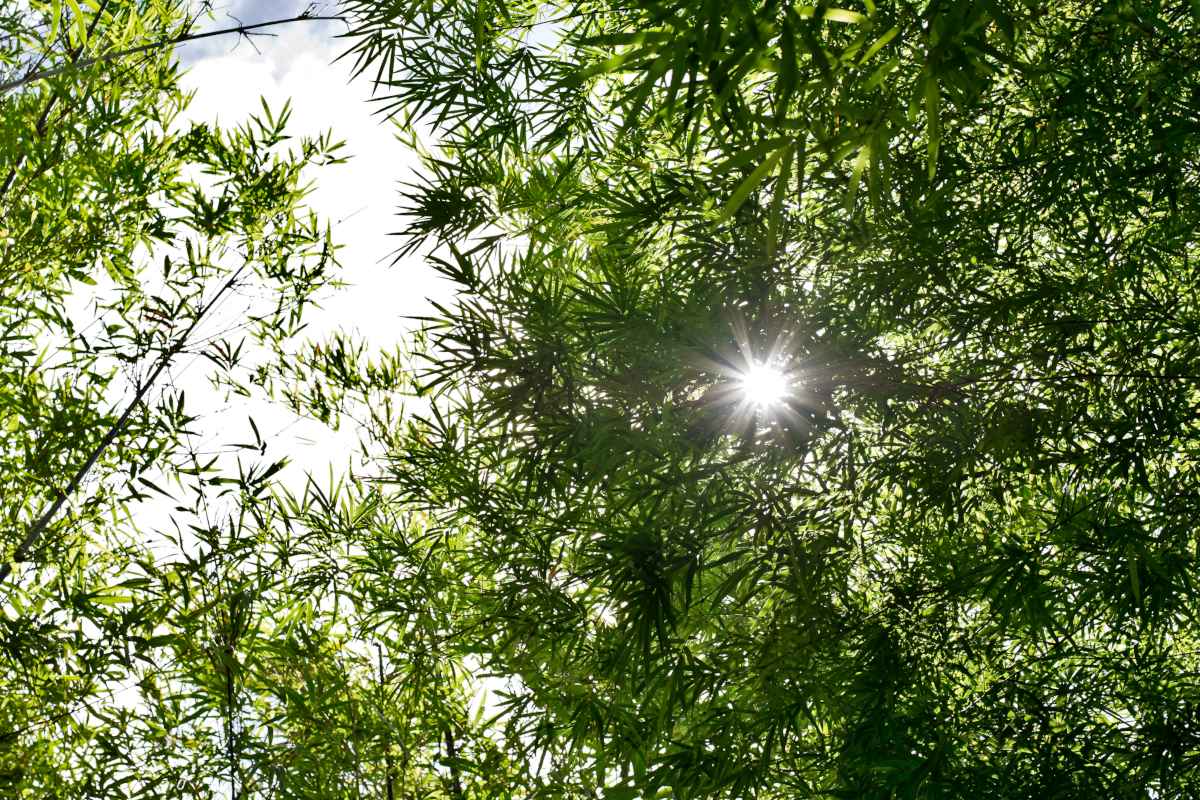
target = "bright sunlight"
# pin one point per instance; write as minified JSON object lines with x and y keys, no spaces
{"x":764,"y":385}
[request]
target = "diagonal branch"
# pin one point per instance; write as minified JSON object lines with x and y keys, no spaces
{"x":243,"y":30}
{"x":38,"y":529}
{"x":44,"y":118}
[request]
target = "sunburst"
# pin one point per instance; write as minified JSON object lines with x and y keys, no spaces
{"x":764,"y":386}
{"x":760,"y":390}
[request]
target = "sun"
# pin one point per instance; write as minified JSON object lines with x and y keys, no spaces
{"x":764,"y":386}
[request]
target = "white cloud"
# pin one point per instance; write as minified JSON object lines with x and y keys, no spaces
{"x":359,"y":197}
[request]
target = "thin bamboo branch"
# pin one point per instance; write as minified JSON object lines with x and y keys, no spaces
{"x":387,"y":745}
{"x":44,"y":118}
{"x":243,"y":30}
{"x":38,"y":529}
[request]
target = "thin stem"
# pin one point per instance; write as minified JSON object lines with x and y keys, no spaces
{"x":230,"y":743}
{"x":387,"y":744}
{"x":44,"y":118}
{"x":452,"y":757}
{"x":38,"y":529}
{"x":181,"y":39}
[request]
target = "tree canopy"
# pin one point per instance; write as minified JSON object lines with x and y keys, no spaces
{"x":815,"y":416}
{"x":959,"y":558}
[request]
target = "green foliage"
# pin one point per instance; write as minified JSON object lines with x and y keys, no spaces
{"x":960,"y":559}
{"x":122,"y":230}
{"x":955,"y":559}
{"x":174,"y":622}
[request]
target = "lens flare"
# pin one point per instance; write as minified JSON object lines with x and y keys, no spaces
{"x":764,"y":386}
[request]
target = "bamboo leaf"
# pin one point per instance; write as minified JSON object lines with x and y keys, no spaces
{"x":776,"y":217}
{"x":933,"y":126}
{"x":844,"y":15}
{"x":878,"y":76}
{"x":860,"y":163}
{"x":55,"y":21}
{"x":833,"y":14}
{"x":1131,"y":558}
{"x":751,"y":183}
{"x":878,"y":45}
{"x":80,"y":23}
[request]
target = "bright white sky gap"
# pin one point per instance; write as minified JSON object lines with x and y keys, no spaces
{"x":359,"y":197}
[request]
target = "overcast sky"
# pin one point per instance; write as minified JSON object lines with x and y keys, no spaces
{"x":359,"y":197}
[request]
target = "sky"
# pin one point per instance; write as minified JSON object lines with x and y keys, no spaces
{"x":229,"y":76}
{"x":295,"y":64}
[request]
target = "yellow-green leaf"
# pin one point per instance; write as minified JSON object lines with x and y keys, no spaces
{"x":860,"y":164}
{"x":844,"y":15}
{"x":55,"y":18}
{"x":1134,"y":583}
{"x":777,"y":203}
{"x":878,"y":75}
{"x":933,"y":126}
{"x":80,"y":22}
{"x":879,"y":44}
{"x":111,"y":599}
{"x":831,"y":14}
{"x":751,"y":183}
